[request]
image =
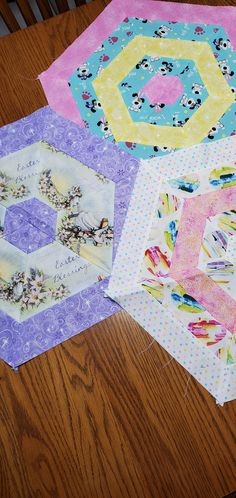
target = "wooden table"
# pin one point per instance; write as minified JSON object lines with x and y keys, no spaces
{"x":96,"y":417}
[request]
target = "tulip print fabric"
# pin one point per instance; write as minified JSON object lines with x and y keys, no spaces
{"x":152,"y":76}
{"x":62,"y":206}
{"x":180,"y":283}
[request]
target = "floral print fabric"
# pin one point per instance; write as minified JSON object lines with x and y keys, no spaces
{"x":62,"y":207}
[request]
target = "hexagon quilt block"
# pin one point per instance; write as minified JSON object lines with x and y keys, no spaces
{"x":180,"y":284}
{"x":62,"y":207}
{"x":151,"y":76}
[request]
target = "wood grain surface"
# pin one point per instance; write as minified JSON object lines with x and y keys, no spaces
{"x":99,"y":417}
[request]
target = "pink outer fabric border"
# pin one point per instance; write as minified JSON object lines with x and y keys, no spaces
{"x":187,"y":249}
{"x":54,"y":79}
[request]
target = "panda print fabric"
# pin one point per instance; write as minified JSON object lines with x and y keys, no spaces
{"x":157,"y":110}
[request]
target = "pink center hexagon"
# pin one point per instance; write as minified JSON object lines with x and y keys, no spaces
{"x":165,"y":89}
{"x":184,"y":265}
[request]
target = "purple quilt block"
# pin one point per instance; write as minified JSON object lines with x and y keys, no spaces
{"x":64,"y":194}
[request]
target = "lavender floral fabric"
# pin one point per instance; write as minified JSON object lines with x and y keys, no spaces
{"x":21,"y":341}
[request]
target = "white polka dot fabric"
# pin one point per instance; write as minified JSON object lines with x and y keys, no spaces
{"x":231,"y":250}
{"x":217,"y":377}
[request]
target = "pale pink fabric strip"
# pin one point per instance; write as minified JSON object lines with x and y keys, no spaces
{"x":210,"y":295}
{"x":193,"y":220}
{"x":55,"y":79}
{"x":187,"y":249}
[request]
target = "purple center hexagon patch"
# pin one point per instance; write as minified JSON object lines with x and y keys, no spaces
{"x":30,"y":225}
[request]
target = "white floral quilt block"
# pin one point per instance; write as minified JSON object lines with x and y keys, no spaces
{"x":55,"y":221}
